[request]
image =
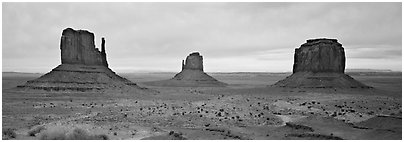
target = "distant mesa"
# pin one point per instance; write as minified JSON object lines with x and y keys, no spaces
{"x":84,"y":68}
{"x":193,"y":62}
{"x":319,"y":63}
{"x":191,"y":75}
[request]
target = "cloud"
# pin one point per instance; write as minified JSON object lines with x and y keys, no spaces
{"x":374,"y":52}
{"x":152,"y":35}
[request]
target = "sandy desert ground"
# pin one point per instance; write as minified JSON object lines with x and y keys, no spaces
{"x":249,"y":108}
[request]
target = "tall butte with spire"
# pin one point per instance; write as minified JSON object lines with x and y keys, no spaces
{"x":191,"y":75}
{"x":320,"y":63}
{"x":84,"y":68}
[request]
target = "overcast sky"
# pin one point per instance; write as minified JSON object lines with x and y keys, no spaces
{"x":231,"y":37}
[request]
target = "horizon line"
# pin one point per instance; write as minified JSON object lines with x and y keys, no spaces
{"x":156,"y":71}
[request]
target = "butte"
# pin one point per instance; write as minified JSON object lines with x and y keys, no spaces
{"x":84,"y":69}
{"x":191,"y":75}
{"x":319,"y":63}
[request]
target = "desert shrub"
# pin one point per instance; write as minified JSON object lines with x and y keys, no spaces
{"x":36,"y":121}
{"x":176,"y":136}
{"x":314,"y":136}
{"x":156,"y":129}
{"x":299,"y":127}
{"x":35,"y":130}
{"x":78,"y":134}
{"x":9,"y":133}
{"x":56,"y":133}
{"x":75,"y":134}
{"x":101,"y":137}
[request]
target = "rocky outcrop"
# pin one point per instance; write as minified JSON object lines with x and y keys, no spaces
{"x":77,"y":47}
{"x":320,"y":55}
{"x":84,"y":68}
{"x":193,"y":62}
{"x":320,"y":63}
{"x":191,"y":75}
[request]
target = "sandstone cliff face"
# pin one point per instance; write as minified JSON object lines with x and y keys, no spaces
{"x":319,"y":63}
{"x":194,"y":61}
{"x":320,"y":55}
{"x":77,"y":47}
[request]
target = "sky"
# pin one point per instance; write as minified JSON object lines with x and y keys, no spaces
{"x":231,"y":37}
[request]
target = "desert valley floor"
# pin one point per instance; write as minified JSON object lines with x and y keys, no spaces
{"x":248,"y":108}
